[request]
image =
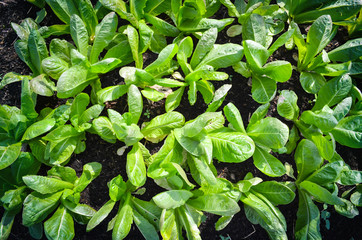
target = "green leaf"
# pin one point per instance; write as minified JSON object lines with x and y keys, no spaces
{"x":46,"y":185}
{"x":172,"y":199}
{"x":26,"y":164}
{"x":79,"y":34}
{"x":287,"y":105}
{"x":259,"y":114}
{"x":7,"y":221}
{"x":319,"y":35}
{"x":163,"y":60}
{"x":133,"y":39}
{"x":283,"y":39}
{"x":269,"y":132}
{"x":148,"y":230}
{"x":9,"y":154}
{"x":173,"y":100}
{"x":152,"y":94}
{"x":11,"y":77}
{"x":72,"y":81}
{"x":100,"y":215}
{"x":104,"y":129}
{"x":351,"y":177}
{"x":90,"y":172}
{"x":307,"y":224}
{"x":42,"y":85}
{"x":222,"y":56}
{"x":279,"y":71}
{"x":312,"y":82}
{"x":320,"y":193}
{"x":231,"y":146}
{"x":204,"y":46}
{"x":135,"y":103}
{"x":215,"y":203}
{"x":124,"y":220}
{"x":38,"y":128}
{"x":275,"y":192}
{"x":219,"y":98}
{"x":136,"y":169}
{"x":28,"y":100}
{"x":38,"y":206}
{"x":254,"y":29}
{"x":232,"y":114}
{"x":117,"y":188}
{"x":37,"y":50}
{"x":329,"y":173}
{"x":333,"y":91}
{"x":79,"y":104}
{"x":187,"y":220}
{"x":307,"y":159}
{"x":162,"y":26}
{"x":349,"y":51}
{"x":263,"y":89}
{"x":267,"y":163}
{"x":342,"y":108}
{"x":169,"y":228}
{"x":61,"y":49}
{"x":63,"y":9}
{"x":348,"y":132}
{"x":255,"y":53}
{"x":60,"y":225}
{"x":105,"y":31}
{"x":64,"y":173}
{"x":112,"y":93}
{"x":160,"y":126}
{"x":347,"y":210}
{"x":324,"y":120}
{"x":105,"y":66}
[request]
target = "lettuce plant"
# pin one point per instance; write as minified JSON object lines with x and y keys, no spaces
{"x":60,"y":190}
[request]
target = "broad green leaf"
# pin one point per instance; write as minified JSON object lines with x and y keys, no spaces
{"x":320,"y":193}
{"x":216,"y":203}
{"x":28,"y":100}
{"x":104,"y":33}
{"x":148,"y":230}
{"x":254,"y":29}
{"x":152,"y":94}
{"x":63,"y":9}
{"x":61,"y":49}
{"x":121,"y":51}
{"x":117,"y":187}
{"x":159,"y":127}
{"x":38,"y":128}
{"x":324,"y":120}
{"x":172,"y":198}
{"x":348,"y":132}
{"x":348,"y":209}
{"x":169,"y":228}
{"x":231,"y":146}
{"x":255,"y":53}
{"x":124,"y":220}
{"x":162,"y":26}
{"x":333,"y":91}
{"x":204,"y":46}
{"x":232,"y":114}
{"x":89,"y":16}
{"x":104,"y":129}
{"x":91,"y":113}
{"x":329,"y":173}
{"x":269,"y":132}
{"x":173,"y":100}
{"x":342,"y":108}
{"x":129,"y":134}
{"x":135,"y":103}
{"x":90,"y":172}
{"x":105,"y":66}
{"x":38,"y":206}
{"x":12,"y":77}
{"x":26,"y":164}
{"x":46,"y":185}
{"x":259,"y":114}
{"x":351,"y":177}
{"x":275,"y":192}
{"x":133,"y":39}
{"x":60,"y":225}
{"x":81,"y":212}
{"x":54,"y":66}
{"x":263,"y":89}
{"x":136,"y":169}
{"x":267,"y":163}
{"x":146,"y":34}
{"x":187,"y":220}
{"x":319,"y":35}
{"x":222,"y":56}
{"x":79,"y":104}
{"x":308,"y":218}
{"x":163,"y":60}
{"x":356,"y":198}
{"x":72,"y":82}
{"x":287,"y":105}
{"x":219,"y":97}
{"x":100,"y":215}
{"x":148,"y":210}
{"x":9,"y":154}
{"x":67,"y":174}
{"x":7,"y":221}
{"x":307,"y":159}
{"x":349,"y":51}
{"x":283,"y":39}
{"x":111,"y":93}
{"x":312,"y":82}
{"x":279,"y":71}
{"x":79,"y":34}
{"x":42,"y":85}
{"x":37,"y":50}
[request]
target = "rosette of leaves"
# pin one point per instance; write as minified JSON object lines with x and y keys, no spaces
{"x":59,"y":191}
{"x":264,"y":75}
{"x":64,"y":139}
{"x":13,"y":190}
{"x":323,"y":125}
{"x":205,"y":59}
{"x":317,"y":182}
{"x":302,"y":11}
{"x":314,"y":63}
{"x":145,"y":214}
{"x":255,"y":16}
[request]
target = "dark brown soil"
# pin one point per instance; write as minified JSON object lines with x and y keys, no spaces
{"x":98,"y":150}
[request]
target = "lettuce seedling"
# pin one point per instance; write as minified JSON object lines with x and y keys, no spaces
{"x":60,"y":190}
{"x":13,"y":190}
{"x":146,"y":215}
{"x":264,"y":75}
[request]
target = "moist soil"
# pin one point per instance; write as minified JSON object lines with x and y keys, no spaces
{"x":96,"y":194}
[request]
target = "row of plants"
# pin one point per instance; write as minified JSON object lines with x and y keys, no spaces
{"x":183,"y":34}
